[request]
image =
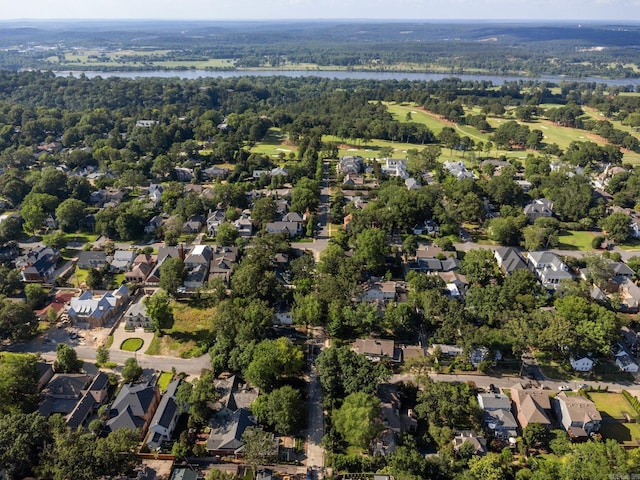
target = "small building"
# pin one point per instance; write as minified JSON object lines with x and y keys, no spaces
{"x":532,"y":405}
{"x":226,"y":436}
{"x":122,"y":260}
{"x":378,"y":290}
{"x":581,"y":364}
{"x":134,"y":407}
{"x":626,"y":362}
{"x":509,"y":260}
{"x":540,"y":208}
{"x":497,"y":415}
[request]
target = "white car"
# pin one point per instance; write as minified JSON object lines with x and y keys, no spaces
{"x":564,"y":388}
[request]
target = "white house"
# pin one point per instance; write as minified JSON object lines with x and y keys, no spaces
{"x":583,"y":364}
{"x":165,"y":419}
{"x":626,"y":363}
{"x":549,"y":268}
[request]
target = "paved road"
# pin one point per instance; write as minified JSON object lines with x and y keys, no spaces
{"x":315,"y":432}
{"x":483,"y":381}
{"x":322,"y":239}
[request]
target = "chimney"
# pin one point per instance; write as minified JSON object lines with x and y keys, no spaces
{"x":181,"y":252}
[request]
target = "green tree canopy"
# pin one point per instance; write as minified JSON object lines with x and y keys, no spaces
{"x":355,"y":420}
{"x":282,"y":409}
{"x":67,"y":360}
{"x":273,"y":360}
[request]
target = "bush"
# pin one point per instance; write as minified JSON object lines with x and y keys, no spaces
{"x":597,"y":241}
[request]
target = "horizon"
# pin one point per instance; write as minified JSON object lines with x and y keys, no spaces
{"x":325,"y":10}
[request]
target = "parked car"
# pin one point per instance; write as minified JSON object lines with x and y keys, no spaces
{"x":564,"y":388}
{"x":583,"y":386}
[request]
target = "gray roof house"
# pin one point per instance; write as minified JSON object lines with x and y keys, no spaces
{"x":497,"y":414}
{"x":577,"y":415}
{"x":134,"y":407}
{"x":91,"y":259}
{"x":509,"y":259}
{"x":122,"y":260}
{"x":165,"y":419}
{"x":549,"y":268}
{"x":226,"y":437}
{"x":136,"y":315}
{"x":540,"y":208}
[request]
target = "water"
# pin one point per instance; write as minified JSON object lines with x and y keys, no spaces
{"x":341,"y":75}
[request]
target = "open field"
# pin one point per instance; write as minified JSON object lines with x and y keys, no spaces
{"x":614,"y":404}
{"x":576,"y":240}
{"x":189,"y":334}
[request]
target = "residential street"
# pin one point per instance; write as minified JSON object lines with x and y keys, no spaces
{"x":315,"y":431}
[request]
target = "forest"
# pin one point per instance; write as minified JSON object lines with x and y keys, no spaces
{"x":526,"y":48}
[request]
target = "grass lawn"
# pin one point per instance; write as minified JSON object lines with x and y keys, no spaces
{"x":132,"y":344}
{"x":612,"y":403}
{"x":624,"y":433}
{"x":81,"y":237}
{"x":79,"y":277}
{"x":576,"y":240}
{"x":164,"y":380}
{"x":189,"y":335}
{"x":552,"y":368}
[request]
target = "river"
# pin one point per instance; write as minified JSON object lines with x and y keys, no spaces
{"x":341,"y":75}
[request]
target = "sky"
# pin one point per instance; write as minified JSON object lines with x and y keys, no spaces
{"x":626,"y":10}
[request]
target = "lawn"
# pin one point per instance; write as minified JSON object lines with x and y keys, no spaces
{"x":576,"y":240}
{"x":612,"y":403}
{"x":164,"y":380}
{"x":132,"y":344}
{"x":624,"y":433}
{"x":190,"y":334}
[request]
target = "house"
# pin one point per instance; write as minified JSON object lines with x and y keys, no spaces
{"x":45,"y":373}
{"x":146,"y":123}
{"x":478,"y":442}
{"x":628,"y":294}
{"x":244,"y":225}
{"x":479,"y":355}
{"x":214,"y":220}
{"x":455,"y":283}
{"x":458,"y":169}
{"x":122,"y":260}
{"x":215,"y":173}
{"x":349,"y":164}
{"x":291,"y":229}
{"x":93,"y":397}
{"x":497,"y":415}
{"x":540,"y":208}
{"x":199,"y":255}
{"x":136,"y":315}
{"x":441,"y":349}
{"x":377,"y":349}
{"x":183,"y":174}
{"x":581,"y":364}
{"x":532,"y":405}
{"x":226,"y":434}
{"x":221,"y":266}
{"x":429,"y":227}
{"x":91,"y":259}
{"x":509,"y":259}
{"x":154,"y":224}
{"x":97,"y":310}
{"x":395,"y":168}
{"x":412,"y":184}
{"x":184,"y":474}
{"x":352,"y":180}
{"x":549,"y":269}
{"x":165,"y":419}
{"x":377,"y":290}
{"x":196,"y":277}
{"x":194,"y":224}
{"x":143,"y":265}
{"x":38,"y":266}
{"x":577,"y":415}
{"x":134,"y":407}
{"x":625,"y":362}
{"x":234,"y":395}
{"x":62,"y":393}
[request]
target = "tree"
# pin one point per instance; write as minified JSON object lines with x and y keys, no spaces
{"x":36,"y":295}
{"x":260,"y":447}
{"x":617,"y":227}
{"x":506,"y":230}
{"x":171,"y":275}
{"x":371,"y":249}
{"x":273,"y":360}
{"x":199,"y":396}
{"x":18,"y":383}
{"x":536,"y":435}
{"x":282,"y":409}
{"x":410,"y":246}
{"x":355,"y":419}
{"x":94,"y":278}
{"x":56,"y":239}
{"x":17,"y":321}
{"x":305,"y":195}
{"x":159,"y":310}
{"x":226,"y":234}
{"x":131,"y":370}
{"x":479,"y":265}
{"x":10,"y":229}
{"x":69,"y":214}
{"x":23,"y":440}
{"x":264,"y":211}
{"x":102,"y":355}
{"x":67,"y":360}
